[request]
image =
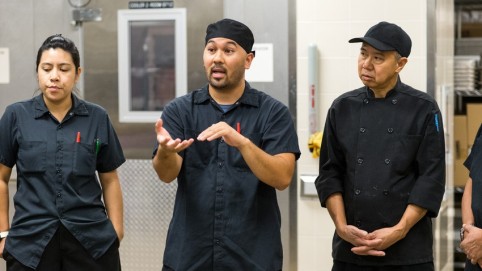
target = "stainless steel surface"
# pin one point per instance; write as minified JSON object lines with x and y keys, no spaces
{"x":148,"y":205}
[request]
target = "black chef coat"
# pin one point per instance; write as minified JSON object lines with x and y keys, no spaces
{"x":382,"y":154}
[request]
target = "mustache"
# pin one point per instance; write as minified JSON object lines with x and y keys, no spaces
{"x":218,"y":68}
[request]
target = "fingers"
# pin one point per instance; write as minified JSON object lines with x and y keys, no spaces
{"x":367,"y":251}
{"x":158,"y":125}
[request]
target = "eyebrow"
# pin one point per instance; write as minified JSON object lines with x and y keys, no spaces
{"x":228,"y":42}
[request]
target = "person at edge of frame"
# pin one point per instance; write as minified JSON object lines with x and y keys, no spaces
{"x":66,"y":219}
{"x":471,"y":231}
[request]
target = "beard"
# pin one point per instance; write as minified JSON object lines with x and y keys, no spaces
{"x":229,"y":81}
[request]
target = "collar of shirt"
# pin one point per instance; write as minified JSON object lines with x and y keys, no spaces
{"x":370,"y":93}
{"x":78,"y":106}
{"x":249,"y":96}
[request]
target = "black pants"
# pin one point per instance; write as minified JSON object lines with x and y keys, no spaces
{"x":65,"y":253}
{"x":342,"y":266}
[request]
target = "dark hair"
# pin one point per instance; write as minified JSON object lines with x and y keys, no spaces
{"x":57,"y":41}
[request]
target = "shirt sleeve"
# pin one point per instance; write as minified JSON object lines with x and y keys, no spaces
{"x":8,"y":144}
{"x":429,"y":187}
{"x":332,"y":165}
{"x":280,"y":135}
{"x":110,"y":156}
{"x":476,"y":149}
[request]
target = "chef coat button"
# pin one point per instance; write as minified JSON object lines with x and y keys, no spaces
{"x":387,"y":161}
{"x":394,"y":101}
{"x":360,"y":161}
{"x":362,"y":130}
{"x":390,"y":130}
{"x":385,"y":192}
{"x":365,"y":100}
{"x":357,"y":192}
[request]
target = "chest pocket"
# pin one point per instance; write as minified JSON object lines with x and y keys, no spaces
{"x":32,"y":156}
{"x":84,"y":159}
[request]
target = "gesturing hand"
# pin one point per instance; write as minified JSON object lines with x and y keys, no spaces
{"x":167,"y":144}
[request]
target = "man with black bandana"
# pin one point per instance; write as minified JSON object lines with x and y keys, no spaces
{"x":230,"y":147}
{"x":382,"y":163}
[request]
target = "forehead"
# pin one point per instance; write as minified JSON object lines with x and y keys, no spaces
{"x":221,"y":42}
{"x":56,"y":55}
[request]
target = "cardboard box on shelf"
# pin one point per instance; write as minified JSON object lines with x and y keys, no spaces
{"x":474,"y":120}
{"x":461,"y":174}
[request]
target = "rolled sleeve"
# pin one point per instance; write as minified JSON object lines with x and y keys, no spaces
{"x":431,"y":167}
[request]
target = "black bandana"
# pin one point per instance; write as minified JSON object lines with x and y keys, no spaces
{"x":233,"y":30}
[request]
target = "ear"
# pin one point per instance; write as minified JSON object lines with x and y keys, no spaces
{"x":77,"y":76}
{"x":248,"y":61}
{"x":401,"y":64}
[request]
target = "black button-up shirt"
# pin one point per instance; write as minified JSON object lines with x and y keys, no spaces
{"x":56,"y":180}
{"x":382,"y":154}
{"x":474,"y":164}
{"x":224,"y":217}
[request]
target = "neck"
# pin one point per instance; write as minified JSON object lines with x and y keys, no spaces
{"x":59,"y":110}
{"x":226,"y":96}
{"x":382,"y":91}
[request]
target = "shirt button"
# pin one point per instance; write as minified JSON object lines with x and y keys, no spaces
{"x":220,"y":164}
{"x":365,"y":100}
{"x":59,"y":195}
{"x":357,"y":192}
{"x":394,"y":101}
{"x":362,"y":130}
{"x":390,"y":130}
{"x":387,"y":161}
{"x":217,"y":242}
{"x":358,"y":223}
{"x":385,"y":192}
{"x":360,"y":161}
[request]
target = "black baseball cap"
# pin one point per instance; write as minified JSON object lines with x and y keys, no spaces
{"x":386,"y":36}
{"x":233,"y":30}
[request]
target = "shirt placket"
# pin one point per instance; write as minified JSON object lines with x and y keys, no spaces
{"x":59,"y":159}
{"x":219,"y":202}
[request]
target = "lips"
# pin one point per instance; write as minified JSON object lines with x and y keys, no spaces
{"x":366,"y":77}
{"x":218,"y":72}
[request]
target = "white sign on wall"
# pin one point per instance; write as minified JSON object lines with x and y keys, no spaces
{"x":4,"y":66}
{"x":261,"y":69}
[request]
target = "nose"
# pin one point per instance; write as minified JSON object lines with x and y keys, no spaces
{"x":367,"y":62}
{"x":218,"y":56}
{"x":54,"y":74}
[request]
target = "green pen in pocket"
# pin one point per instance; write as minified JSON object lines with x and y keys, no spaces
{"x":97,"y":146}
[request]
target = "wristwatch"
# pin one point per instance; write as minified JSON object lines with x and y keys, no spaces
{"x":462,"y":234}
{"x":3,"y":234}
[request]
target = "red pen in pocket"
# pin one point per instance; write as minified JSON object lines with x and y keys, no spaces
{"x":238,"y":127}
{"x":77,"y":139}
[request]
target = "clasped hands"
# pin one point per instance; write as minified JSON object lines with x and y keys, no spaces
{"x":370,"y":244}
{"x":471,"y":244}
